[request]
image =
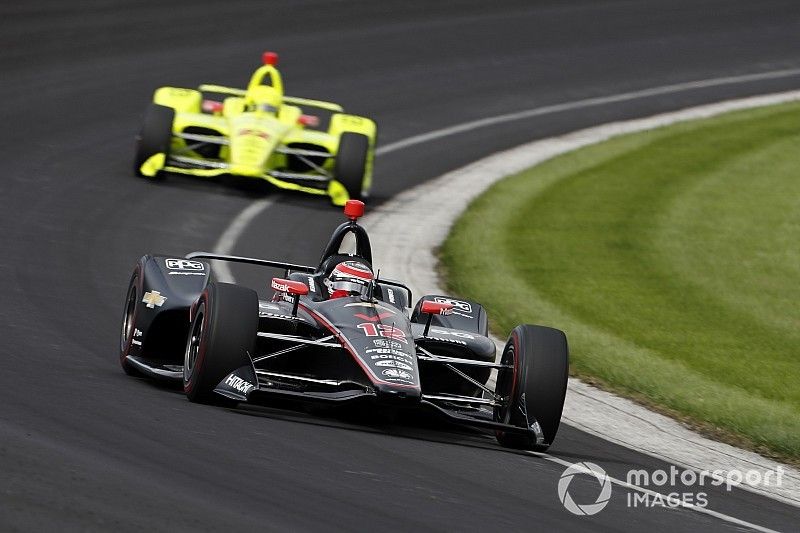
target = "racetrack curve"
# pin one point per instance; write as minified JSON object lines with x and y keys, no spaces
{"x":84,"y":447}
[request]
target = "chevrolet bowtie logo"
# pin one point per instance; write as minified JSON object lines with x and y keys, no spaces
{"x":153,"y":299}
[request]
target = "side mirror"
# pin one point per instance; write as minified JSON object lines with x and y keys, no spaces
{"x":308,"y":120}
{"x":434,"y":308}
{"x":296,"y":289}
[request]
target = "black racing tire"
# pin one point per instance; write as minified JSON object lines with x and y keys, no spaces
{"x":154,"y":137}
{"x":134,"y":294}
{"x":222,"y":333}
{"x":351,"y":163}
{"x":536,"y":384}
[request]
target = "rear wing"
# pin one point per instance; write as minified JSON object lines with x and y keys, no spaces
{"x":287,"y":267}
{"x":292,"y":100}
{"x":252,"y":261}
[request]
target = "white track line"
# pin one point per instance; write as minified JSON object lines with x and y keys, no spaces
{"x":227,"y":241}
{"x":596,"y":412}
{"x":578,"y":104}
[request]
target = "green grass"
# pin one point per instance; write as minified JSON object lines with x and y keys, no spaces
{"x":671,"y":258}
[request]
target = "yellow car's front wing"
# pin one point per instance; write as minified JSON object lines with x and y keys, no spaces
{"x":157,"y":163}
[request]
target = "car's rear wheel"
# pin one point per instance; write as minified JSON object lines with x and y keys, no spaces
{"x":222,"y":334}
{"x":155,"y":136}
{"x":351,"y":163}
{"x":129,"y":323}
{"x":533,"y":386}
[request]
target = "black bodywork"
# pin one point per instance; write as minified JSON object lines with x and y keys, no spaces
{"x":312,"y":348}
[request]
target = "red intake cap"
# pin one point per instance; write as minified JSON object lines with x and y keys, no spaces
{"x":436,"y":308}
{"x":295,"y":288}
{"x":269,"y":58}
{"x":354,"y":209}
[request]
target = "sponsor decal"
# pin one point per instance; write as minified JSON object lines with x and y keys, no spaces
{"x":393,"y":364}
{"x":395,"y":373}
{"x":137,"y":343}
{"x":178,"y":273}
{"x":280,"y":287}
{"x":312,"y":286}
{"x":452,"y":341}
{"x":389,"y":351}
{"x":384,"y":354}
{"x":384,"y":343}
{"x":235,"y":382}
{"x":265,"y":305}
{"x":267,"y":314}
{"x":153,"y":299}
{"x":185,"y":264}
{"x":390,"y":294}
{"x":137,"y":332}
{"x":459,"y":334}
{"x":459,"y":307}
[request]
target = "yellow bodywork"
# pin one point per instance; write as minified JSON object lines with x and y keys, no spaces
{"x":252,"y":127}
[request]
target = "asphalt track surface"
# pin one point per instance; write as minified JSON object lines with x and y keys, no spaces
{"x":83,"y":447}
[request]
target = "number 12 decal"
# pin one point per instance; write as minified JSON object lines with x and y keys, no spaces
{"x":382,"y":330}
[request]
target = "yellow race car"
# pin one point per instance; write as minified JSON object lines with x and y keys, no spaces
{"x":260,"y":133}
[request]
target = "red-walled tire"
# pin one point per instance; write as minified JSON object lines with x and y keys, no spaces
{"x":534,"y":388}
{"x":129,"y":321}
{"x":222,"y":334}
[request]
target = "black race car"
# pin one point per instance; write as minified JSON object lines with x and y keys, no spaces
{"x":337,"y":334}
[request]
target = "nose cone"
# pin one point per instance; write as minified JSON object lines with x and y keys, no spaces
{"x":389,"y":394}
{"x":253,"y":139}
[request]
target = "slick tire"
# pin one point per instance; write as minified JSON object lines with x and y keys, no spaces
{"x":222,"y":334}
{"x":154,"y":137}
{"x":351,"y":163}
{"x":134,"y":295}
{"x":535,"y":384}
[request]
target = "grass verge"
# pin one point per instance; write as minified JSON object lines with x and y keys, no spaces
{"x":671,"y":258}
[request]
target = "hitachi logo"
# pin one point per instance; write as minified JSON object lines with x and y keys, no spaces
{"x":239,"y":384}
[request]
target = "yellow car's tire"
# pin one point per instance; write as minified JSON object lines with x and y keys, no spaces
{"x":351,"y":162}
{"x":155,"y":136}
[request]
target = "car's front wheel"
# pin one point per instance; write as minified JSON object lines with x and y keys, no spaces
{"x":155,"y":136}
{"x":532,"y":386}
{"x":221,"y":337}
{"x":126,"y":339}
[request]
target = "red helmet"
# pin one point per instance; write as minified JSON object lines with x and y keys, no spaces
{"x":349,"y":278}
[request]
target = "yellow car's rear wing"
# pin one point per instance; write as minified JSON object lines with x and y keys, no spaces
{"x":209,"y":88}
{"x":336,"y":108}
